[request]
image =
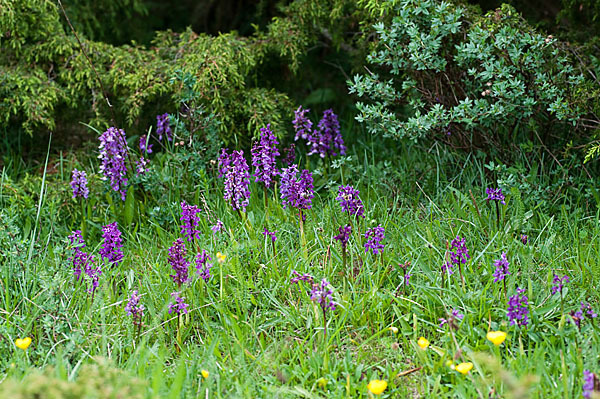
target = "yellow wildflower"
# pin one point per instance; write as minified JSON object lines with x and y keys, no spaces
{"x":464,"y":368}
{"x":221,"y":257}
{"x":377,"y":387}
{"x":423,"y":343}
{"x":23,"y":343}
{"x":497,"y":337}
{"x":204,"y":373}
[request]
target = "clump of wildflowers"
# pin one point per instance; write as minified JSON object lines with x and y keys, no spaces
{"x":296,"y":192}
{"x":264,"y":154}
{"x":321,"y":293}
{"x":202,"y":265}
{"x":177,"y":261}
{"x":350,"y":201}
{"x":518,"y":308}
{"x":501,"y":268}
{"x":163,"y":126}
{"x":237,"y":179}
{"x":452,"y":320}
{"x":79,"y":184}
{"x":113,"y":152}
{"x":327,"y":140}
{"x":272,"y":234}
{"x":178,"y":305}
{"x":190,"y":219}
{"x":302,"y":125}
{"x":374,"y":237}
{"x":495,"y":194}
{"x":111,"y":249}
{"x":459,"y":251}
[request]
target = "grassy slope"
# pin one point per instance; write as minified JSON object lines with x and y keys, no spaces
{"x":259,"y":336}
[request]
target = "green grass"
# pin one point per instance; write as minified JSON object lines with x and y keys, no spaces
{"x":261,"y":337}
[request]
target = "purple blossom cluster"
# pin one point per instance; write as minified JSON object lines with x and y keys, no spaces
{"x":163,"y":126}
{"x":374,"y":236}
{"x":113,"y":152}
{"x":264,"y":154}
{"x":518,"y":308}
{"x":297,"y":193}
{"x":448,"y":267}
{"x":585,"y":311}
{"x":80,"y":259}
{"x":272,"y":234}
{"x":202,"y":265}
{"x":524,"y":239}
{"x":177,"y":261}
{"x":495,"y":194}
{"x":558,"y":283}
{"x":141,"y":166}
{"x":145,"y":146}
{"x":237,"y":179}
{"x":111,"y":249}
{"x":459,"y":253}
{"x":501,"y":268}
{"x":327,"y":140}
{"x":134,"y":308}
{"x":190,"y":219}
{"x":590,"y":384}
{"x":307,"y":278}
{"x":218,"y":226}
{"x":302,"y":125}
{"x":350,"y":201}
{"x":452,"y":319}
{"x":178,"y":305}
{"x":344,"y":235}
{"x":323,"y":295}
{"x":79,"y":184}
{"x":289,"y":155}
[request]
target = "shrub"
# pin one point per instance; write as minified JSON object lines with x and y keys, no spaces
{"x":445,"y":72}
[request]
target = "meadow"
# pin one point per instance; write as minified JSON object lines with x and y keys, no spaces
{"x":181,"y":283}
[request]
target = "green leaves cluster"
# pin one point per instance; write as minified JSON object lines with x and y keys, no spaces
{"x":442,"y":69}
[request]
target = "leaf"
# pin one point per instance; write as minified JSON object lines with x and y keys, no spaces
{"x":129,"y":206}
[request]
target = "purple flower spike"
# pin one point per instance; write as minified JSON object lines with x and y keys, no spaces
{"x":307,"y":278}
{"x":452,"y":319}
{"x":327,"y":140}
{"x":113,"y":152}
{"x":518,"y":308}
{"x":145,"y":147}
{"x":111,"y":250}
{"x":344,"y":235}
{"x":559,"y":283}
{"x":272,"y":234}
{"x":350,"y":201}
{"x":495,"y":194}
{"x":79,"y":184}
{"x":177,"y":261}
{"x":374,"y":237}
{"x":589,"y":312}
{"x":297,"y":193}
{"x":202,"y":265}
{"x":501,"y":268}
{"x":302,"y":125}
{"x":264,"y":153}
{"x":163,"y":126}
{"x":447,"y":267}
{"x":141,"y":166}
{"x":591,"y":384}
{"x":218,"y":226}
{"x":524,"y":239}
{"x":178,"y":306}
{"x":133,"y":307}
{"x":237,"y":179}
{"x":289,"y":155}
{"x":460,"y":252}
{"x":190,"y":220}
{"x":80,"y":260}
{"x":322,"y":294}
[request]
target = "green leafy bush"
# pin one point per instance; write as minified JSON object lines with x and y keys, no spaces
{"x":445,"y":72}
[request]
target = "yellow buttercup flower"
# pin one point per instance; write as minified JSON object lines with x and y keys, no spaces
{"x":204,"y":373}
{"x":393,"y":329}
{"x":464,"y":368}
{"x":23,"y":343}
{"x":497,"y":337}
{"x":423,"y":343}
{"x":220,"y":257}
{"x":377,"y":387}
